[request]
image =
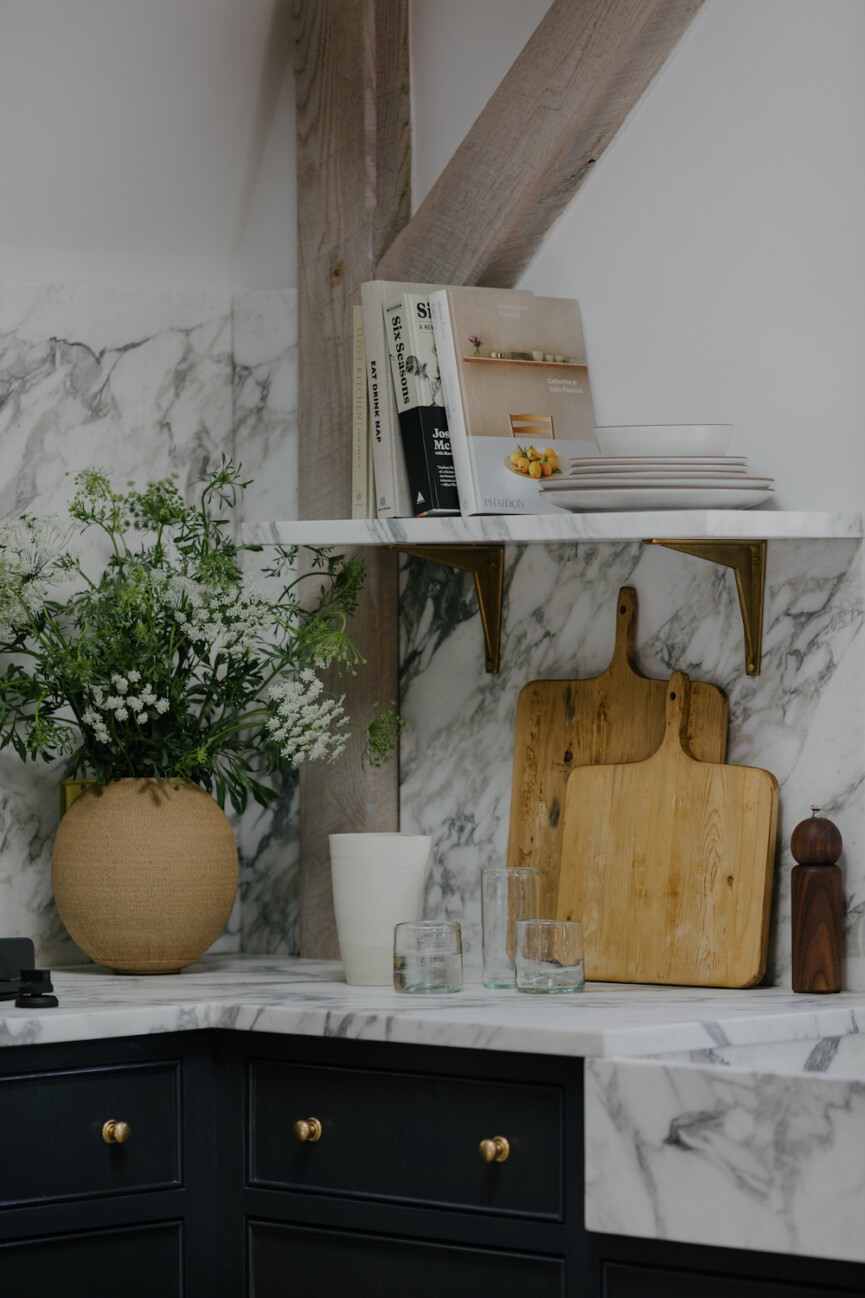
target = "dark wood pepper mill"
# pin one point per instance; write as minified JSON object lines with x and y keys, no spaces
{"x":818,"y":905}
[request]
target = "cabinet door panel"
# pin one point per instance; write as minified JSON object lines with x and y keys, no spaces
{"x":408,"y":1137}
{"x":652,"y":1282}
{"x":138,"y":1262}
{"x":323,"y":1263}
{"x":51,"y":1133}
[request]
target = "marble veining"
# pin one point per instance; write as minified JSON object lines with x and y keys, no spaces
{"x":137,"y":382}
{"x":802,"y":718}
{"x":753,"y":1148}
{"x":264,"y":360}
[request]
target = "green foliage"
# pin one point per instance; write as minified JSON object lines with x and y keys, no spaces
{"x":172,"y":662}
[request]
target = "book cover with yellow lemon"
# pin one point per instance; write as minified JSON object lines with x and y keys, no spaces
{"x":516,"y":391}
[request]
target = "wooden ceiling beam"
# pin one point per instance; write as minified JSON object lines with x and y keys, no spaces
{"x":537,"y":139}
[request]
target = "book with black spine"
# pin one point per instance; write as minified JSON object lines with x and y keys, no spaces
{"x":392,"y":496}
{"x":420,"y":408}
{"x":516,"y":390}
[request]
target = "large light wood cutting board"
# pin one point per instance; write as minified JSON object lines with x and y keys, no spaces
{"x":615,"y":717}
{"x":668,"y":864}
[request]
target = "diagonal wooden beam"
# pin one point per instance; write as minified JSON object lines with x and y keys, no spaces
{"x":539,"y":136}
{"x":353,"y":185}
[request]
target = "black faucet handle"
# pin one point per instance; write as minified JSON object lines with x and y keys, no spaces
{"x":36,"y":989}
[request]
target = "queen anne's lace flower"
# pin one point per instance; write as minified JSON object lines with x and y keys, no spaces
{"x":32,"y":555}
{"x":301,"y":725}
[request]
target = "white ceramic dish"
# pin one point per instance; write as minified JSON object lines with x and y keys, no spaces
{"x":664,"y":439}
{"x":631,"y":499}
{"x":638,"y":481}
{"x":658,"y":472}
{"x":733,"y":463}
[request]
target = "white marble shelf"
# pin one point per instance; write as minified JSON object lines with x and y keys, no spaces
{"x":670,"y":524}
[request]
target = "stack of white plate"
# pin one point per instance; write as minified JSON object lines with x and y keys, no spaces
{"x":653,"y":467}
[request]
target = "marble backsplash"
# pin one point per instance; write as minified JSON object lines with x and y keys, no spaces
{"x":144,"y":383}
{"x":141,"y":383}
{"x":802,"y":718}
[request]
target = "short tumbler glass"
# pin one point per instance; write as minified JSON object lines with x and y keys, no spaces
{"x":549,"y":955}
{"x":428,"y":956}
{"x":508,"y":893}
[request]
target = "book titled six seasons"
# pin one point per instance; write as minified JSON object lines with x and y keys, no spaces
{"x":420,"y":407}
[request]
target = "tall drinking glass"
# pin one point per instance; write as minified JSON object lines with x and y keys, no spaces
{"x":507,"y":894}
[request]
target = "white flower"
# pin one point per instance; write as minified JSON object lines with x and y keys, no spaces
{"x":121,"y":714}
{"x":134,"y":702}
{"x":120,"y":683}
{"x":142,"y":717}
{"x":303,"y":725}
{"x":162,"y":705}
{"x":134,"y":676}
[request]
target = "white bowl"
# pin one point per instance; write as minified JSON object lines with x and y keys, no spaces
{"x":664,"y":439}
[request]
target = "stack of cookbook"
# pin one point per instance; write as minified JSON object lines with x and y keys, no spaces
{"x":478,"y":401}
{"x":476,"y":396}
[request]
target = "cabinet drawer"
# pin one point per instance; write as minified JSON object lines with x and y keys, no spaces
{"x":137,"y":1262}
{"x":408,"y":1137}
{"x":51,"y":1133}
{"x":321,"y":1263}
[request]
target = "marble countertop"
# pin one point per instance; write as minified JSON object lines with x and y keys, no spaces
{"x":310,"y":997}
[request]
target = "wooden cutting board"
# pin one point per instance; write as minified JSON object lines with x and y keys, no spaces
{"x":615,"y":717}
{"x":668,"y":864}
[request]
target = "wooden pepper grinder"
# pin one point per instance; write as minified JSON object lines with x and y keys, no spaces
{"x":817,"y":905}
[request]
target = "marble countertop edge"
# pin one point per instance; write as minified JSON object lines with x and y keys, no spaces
{"x":309,"y":997}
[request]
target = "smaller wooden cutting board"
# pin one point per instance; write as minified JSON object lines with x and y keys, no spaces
{"x":615,"y":717}
{"x":668,"y":864}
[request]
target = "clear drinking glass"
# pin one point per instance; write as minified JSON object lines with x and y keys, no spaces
{"x":549,"y":955}
{"x":428,"y":956}
{"x":507,"y":894}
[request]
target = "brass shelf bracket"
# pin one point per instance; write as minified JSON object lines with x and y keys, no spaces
{"x":748,"y":561}
{"x":487,"y":564}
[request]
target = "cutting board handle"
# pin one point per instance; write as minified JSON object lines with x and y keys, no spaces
{"x":678,"y":710}
{"x":626,"y":629}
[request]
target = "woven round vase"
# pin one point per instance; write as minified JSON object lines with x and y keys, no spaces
{"x":144,"y":875}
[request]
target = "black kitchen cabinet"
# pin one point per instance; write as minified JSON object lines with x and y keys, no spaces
{"x":323,"y":1263}
{"x":409,"y":1137}
{"x":137,"y":1262}
{"x":212,"y":1195}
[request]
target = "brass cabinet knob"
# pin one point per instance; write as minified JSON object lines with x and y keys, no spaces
{"x":495,"y":1150}
{"x":307,"y":1130}
{"x":115,"y":1132}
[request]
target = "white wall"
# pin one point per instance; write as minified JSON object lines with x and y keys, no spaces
{"x":460,"y":50}
{"x":147,"y":142}
{"x":716,"y":250}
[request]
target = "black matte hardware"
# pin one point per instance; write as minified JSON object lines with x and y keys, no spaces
{"x":16,"y":953}
{"x":35,"y":992}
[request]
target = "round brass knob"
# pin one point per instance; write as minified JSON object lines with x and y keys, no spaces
{"x":115,"y":1132}
{"x":495,"y":1150}
{"x":307,"y":1130}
